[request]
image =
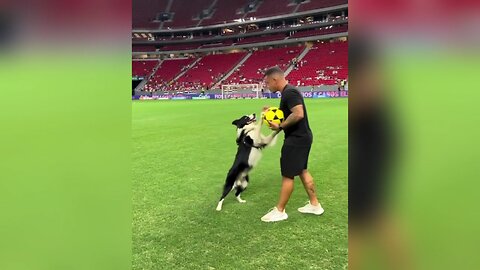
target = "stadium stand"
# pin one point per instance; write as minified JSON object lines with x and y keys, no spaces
{"x":185,"y":10}
{"x":144,"y":12}
{"x":307,"y":61}
{"x":269,"y":8}
{"x":167,"y":72}
{"x":186,"y":13}
{"x":325,"y":63}
{"x":224,"y":11}
{"x":252,"y":70}
{"x":143,"y":68}
{"x":317,"y":4}
{"x":210,"y":69}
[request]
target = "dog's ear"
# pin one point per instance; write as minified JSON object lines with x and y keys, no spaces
{"x":235,"y":122}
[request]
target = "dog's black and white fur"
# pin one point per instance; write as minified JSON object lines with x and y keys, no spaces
{"x":250,"y":143}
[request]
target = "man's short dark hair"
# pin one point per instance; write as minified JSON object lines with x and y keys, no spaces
{"x":274,"y":70}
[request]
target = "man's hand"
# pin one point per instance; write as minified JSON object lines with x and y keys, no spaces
{"x":274,"y":126}
{"x":292,"y":119}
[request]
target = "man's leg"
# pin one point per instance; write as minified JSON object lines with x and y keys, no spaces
{"x":287,"y":189}
{"x":309,"y":186}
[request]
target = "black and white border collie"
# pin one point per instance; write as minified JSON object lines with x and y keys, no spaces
{"x":250,"y":143}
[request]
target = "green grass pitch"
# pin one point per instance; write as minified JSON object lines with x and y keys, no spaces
{"x":182,"y":151}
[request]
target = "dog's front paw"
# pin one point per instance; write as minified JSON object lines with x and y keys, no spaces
{"x":219,"y":208}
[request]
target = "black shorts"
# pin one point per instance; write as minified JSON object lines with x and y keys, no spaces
{"x":294,"y":159}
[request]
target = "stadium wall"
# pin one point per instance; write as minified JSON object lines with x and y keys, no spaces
{"x":306,"y":94}
{"x":219,"y":91}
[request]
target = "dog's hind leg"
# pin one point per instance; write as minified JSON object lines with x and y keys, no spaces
{"x":237,"y":194}
{"x":232,"y":175}
{"x":226,"y":189}
{"x":241,"y":188}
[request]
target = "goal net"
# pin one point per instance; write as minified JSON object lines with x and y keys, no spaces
{"x":241,"y":91}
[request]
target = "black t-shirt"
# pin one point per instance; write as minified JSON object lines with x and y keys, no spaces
{"x":300,"y":133}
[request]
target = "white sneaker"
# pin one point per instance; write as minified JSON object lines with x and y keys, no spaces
{"x":274,"y":215}
{"x":311,"y":209}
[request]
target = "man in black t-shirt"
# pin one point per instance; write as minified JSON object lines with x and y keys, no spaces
{"x":296,"y":146}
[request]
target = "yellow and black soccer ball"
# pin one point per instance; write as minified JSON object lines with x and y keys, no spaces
{"x":274,"y":115}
